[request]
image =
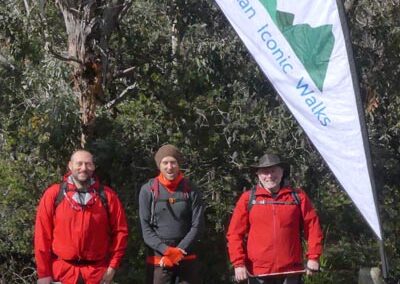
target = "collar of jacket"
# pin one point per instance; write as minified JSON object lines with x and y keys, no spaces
{"x":262,"y":191}
{"x":170,"y":185}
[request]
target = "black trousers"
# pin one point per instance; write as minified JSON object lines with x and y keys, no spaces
{"x":292,"y":279}
{"x":187,"y":272}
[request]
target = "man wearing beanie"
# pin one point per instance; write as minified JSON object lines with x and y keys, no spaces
{"x":171,"y":217}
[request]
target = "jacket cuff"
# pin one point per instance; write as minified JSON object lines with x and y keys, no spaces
{"x":162,"y":248}
{"x":313,"y":257}
{"x":239,"y":263}
{"x":114,"y":263}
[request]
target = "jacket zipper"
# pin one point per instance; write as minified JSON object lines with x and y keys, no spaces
{"x":274,"y":233}
{"x":82,"y":234}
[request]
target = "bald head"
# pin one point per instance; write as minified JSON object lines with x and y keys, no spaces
{"x":81,"y":166}
{"x":80,"y":153}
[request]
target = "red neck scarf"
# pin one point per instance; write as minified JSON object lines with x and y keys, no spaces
{"x":170,"y":185}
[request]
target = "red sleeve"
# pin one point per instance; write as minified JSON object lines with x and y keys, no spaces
{"x":312,"y":229}
{"x":119,"y":231}
{"x":238,"y":228}
{"x":43,"y":236}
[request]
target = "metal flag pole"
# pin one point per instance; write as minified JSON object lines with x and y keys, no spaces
{"x":364,"y":132}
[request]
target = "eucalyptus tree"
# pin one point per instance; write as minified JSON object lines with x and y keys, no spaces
{"x":89,"y":28}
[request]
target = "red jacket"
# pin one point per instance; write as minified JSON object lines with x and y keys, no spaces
{"x":67,"y":232}
{"x":268,"y":239}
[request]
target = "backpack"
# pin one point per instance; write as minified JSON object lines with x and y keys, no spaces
{"x":155,"y":193}
{"x":252,"y":200}
{"x":63,"y":191}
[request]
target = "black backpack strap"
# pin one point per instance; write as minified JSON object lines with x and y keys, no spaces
{"x":186,"y":189}
{"x":61,"y":194}
{"x":296,"y":197}
{"x":63,"y":191}
{"x":103,"y":198}
{"x":252,"y":198}
{"x":155,"y":191}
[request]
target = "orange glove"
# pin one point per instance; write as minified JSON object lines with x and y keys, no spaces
{"x":174,"y":254}
{"x":166,"y":262}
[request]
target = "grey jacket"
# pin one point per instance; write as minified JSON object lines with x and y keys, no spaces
{"x":178,"y":223}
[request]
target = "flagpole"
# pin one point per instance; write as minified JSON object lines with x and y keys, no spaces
{"x":364,"y":132}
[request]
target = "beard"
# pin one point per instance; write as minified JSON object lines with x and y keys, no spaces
{"x":82,"y":177}
{"x":271,"y":184}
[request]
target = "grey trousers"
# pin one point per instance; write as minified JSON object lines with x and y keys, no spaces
{"x":187,"y":272}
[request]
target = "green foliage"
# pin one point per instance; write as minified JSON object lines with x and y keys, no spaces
{"x":198,"y":88}
{"x":376,"y":36}
{"x":326,"y":275}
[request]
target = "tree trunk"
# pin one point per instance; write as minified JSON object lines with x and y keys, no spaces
{"x":89,"y":25}
{"x":177,"y":33}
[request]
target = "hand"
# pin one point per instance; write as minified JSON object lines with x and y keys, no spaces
{"x":175,"y":254}
{"x":312,"y":266}
{"x":45,"y":280}
{"x":166,"y":262}
{"x":240,"y":273}
{"x":108,"y":276}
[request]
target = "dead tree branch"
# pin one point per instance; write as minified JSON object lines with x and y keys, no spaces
{"x":120,"y":97}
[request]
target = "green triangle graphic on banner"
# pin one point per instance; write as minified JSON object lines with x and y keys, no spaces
{"x":313,"y":46}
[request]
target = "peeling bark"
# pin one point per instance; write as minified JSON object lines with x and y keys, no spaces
{"x":89,"y":25}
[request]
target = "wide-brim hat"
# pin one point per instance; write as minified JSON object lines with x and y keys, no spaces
{"x":269,"y":160}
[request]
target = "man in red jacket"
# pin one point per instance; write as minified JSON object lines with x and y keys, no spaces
{"x":81,"y":230}
{"x":265,"y":232}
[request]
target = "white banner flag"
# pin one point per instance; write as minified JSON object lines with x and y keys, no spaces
{"x":300,"y":46}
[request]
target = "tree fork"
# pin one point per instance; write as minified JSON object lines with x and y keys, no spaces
{"x":89,"y":25}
